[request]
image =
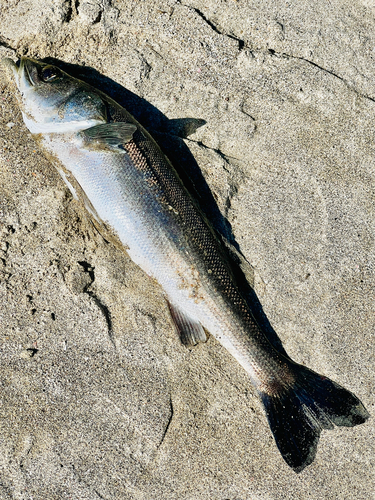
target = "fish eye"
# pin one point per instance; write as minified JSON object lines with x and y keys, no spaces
{"x":49,"y":73}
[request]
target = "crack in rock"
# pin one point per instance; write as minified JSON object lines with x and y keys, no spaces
{"x":243,"y":45}
{"x":69,"y":12}
{"x":5,"y":44}
{"x":216,"y":29}
{"x":312,"y":63}
{"x":168,"y":423}
{"x":225,"y":157}
{"x":89,"y":270}
{"x":333,"y":74}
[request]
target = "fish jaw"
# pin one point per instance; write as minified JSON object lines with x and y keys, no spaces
{"x":52,"y":101}
{"x":21,"y":73}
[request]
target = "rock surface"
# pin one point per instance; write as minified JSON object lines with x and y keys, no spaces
{"x":274,"y":102}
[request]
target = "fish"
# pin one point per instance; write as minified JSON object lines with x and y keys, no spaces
{"x":132,"y":192}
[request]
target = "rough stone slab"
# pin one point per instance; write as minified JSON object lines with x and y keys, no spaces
{"x":98,"y":398}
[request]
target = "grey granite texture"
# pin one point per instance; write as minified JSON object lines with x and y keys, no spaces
{"x":99,"y":400}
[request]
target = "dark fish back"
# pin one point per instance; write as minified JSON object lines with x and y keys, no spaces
{"x":200,"y":237}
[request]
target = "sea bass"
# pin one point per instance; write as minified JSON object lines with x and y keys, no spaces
{"x":130,"y":187}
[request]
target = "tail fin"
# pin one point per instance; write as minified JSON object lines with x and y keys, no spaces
{"x":297,"y":415}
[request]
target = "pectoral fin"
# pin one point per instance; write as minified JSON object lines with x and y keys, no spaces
{"x":190,"y":331}
{"x":109,"y":135}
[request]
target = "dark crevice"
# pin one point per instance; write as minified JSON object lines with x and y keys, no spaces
{"x":32,"y":351}
{"x":103,"y":308}
{"x":98,"y":17}
{"x":240,"y":42}
{"x":317,"y":66}
{"x":99,"y":495}
{"x":249,"y":115}
{"x":312,"y":63}
{"x":168,"y":423}
{"x":210,"y":23}
{"x":3,"y":43}
{"x":69,"y":13}
{"x":220,"y":153}
{"x":336,"y":76}
{"x":89,"y":270}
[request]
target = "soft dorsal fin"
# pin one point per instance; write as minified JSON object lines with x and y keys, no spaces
{"x":191,"y":332}
{"x":111,"y":135}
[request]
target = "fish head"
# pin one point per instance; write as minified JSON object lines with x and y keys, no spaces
{"x":53,"y":101}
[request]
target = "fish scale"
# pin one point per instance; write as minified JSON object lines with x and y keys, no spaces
{"x":129,"y":186}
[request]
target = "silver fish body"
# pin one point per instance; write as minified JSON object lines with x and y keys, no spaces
{"x":129,"y":186}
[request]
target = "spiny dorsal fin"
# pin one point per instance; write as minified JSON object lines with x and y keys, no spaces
{"x":190,"y":331}
{"x":111,"y":135}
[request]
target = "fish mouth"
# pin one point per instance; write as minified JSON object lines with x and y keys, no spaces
{"x":22,"y":71}
{"x":25,"y":71}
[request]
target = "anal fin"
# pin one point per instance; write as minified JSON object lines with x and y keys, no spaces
{"x":191,"y":332}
